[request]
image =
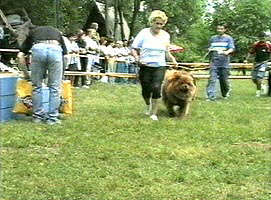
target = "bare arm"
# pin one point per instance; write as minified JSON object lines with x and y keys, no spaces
{"x":135,"y":54}
{"x":227,"y":52}
{"x":171,"y":58}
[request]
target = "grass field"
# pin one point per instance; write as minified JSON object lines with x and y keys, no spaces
{"x":108,"y":150}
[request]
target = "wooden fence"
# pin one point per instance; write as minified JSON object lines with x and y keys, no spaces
{"x":195,"y":68}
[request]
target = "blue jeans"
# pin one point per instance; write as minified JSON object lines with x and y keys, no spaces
{"x":222,"y":74}
{"x":258,"y":72}
{"x":46,"y":58}
{"x":121,"y":67}
{"x":132,"y":69}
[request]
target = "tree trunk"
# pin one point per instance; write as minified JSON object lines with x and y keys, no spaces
{"x":121,"y":19}
{"x":116,"y":3}
{"x":135,"y":13}
{"x":106,"y":18}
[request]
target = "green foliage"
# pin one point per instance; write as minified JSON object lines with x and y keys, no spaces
{"x":182,"y":14}
{"x":195,"y":43}
{"x":73,"y":15}
{"x":109,"y":150}
{"x":189,"y":25}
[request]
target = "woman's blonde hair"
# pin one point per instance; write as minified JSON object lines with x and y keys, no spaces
{"x":157,"y":14}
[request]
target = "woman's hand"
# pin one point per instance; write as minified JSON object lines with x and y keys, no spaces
{"x":174,"y":62}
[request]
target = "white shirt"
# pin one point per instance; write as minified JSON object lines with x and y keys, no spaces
{"x":152,"y":48}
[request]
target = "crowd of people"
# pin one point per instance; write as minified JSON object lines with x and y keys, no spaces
{"x":88,"y":52}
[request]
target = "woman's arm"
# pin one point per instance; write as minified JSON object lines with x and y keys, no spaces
{"x":171,"y":58}
{"x":135,"y":54}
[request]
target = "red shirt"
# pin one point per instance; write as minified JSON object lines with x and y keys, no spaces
{"x":262,"y":51}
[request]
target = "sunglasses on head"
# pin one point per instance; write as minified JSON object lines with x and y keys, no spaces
{"x":158,"y":23}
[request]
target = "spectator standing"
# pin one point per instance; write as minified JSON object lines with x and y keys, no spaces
{"x":96,"y":35}
{"x":220,"y":48}
{"x":93,"y":46}
{"x":150,"y":49}
{"x":48,"y":48}
{"x":121,"y":64}
{"x":132,"y":67}
{"x":103,"y":53}
{"x":73,"y":59}
{"x":81,"y":41}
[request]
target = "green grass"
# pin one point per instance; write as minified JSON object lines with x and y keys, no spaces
{"x":108,"y":150}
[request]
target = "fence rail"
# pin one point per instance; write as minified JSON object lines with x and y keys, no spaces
{"x":124,"y":75}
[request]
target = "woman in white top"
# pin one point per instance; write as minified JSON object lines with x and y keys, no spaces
{"x":151,"y":49}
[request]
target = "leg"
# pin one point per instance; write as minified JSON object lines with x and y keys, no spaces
{"x":257,"y":77}
{"x":54,"y":82}
{"x":84,"y":62}
{"x":184,"y":109}
{"x":120,"y":68}
{"x":170,"y":110}
{"x":211,"y":85}
{"x":144,"y":76}
{"x":224,"y":82}
{"x":132,"y":70}
{"x":38,"y":69}
{"x":156,"y":86}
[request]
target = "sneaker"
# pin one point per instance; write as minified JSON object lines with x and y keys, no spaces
{"x":85,"y":86}
{"x":53,"y":122}
{"x":154,"y":117}
{"x":210,"y":99}
{"x":258,"y":93}
{"x":228,"y":93}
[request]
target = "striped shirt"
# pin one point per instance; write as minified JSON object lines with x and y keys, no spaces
{"x":217,"y":44}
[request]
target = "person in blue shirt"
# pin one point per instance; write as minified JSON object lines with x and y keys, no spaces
{"x":220,"y":48}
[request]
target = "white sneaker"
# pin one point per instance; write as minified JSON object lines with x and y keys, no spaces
{"x":154,"y":117}
{"x":85,"y":86}
{"x":258,"y":93}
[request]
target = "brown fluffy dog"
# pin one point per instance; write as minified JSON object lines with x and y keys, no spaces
{"x":179,"y":89}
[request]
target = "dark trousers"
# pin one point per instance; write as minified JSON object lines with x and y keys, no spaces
{"x":84,"y":64}
{"x":151,"y":79}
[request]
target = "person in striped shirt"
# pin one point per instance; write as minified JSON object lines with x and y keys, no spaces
{"x":220,"y":48}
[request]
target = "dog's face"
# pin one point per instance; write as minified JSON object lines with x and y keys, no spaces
{"x":181,"y":84}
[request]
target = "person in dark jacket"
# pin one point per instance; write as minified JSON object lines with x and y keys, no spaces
{"x":47,"y":47}
{"x":261,"y":51}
